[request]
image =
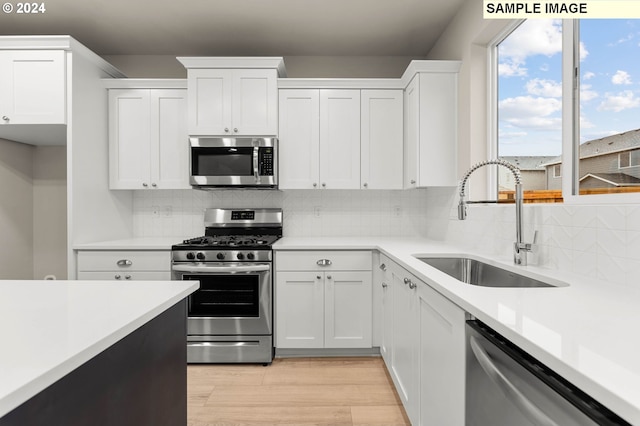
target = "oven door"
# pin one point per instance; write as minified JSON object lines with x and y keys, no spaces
{"x":233,"y":298}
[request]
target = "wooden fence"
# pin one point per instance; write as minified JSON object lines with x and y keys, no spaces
{"x":555,"y":196}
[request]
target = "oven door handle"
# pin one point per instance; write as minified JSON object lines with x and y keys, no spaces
{"x":213,"y":269}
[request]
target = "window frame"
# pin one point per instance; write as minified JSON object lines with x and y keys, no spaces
{"x":570,"y":118}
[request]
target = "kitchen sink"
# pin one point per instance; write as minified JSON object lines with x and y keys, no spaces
{"x":476,"y":272}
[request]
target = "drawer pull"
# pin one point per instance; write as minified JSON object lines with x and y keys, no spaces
{"x":124,"y":262}
{"x":117,"y":277}
{"x":323,"y":262}
{"x":127,"y":277}
{"x":384,"y":285}
{"x":383,"y":267}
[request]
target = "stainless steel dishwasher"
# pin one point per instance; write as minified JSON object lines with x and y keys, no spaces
{"x":506,"y":387}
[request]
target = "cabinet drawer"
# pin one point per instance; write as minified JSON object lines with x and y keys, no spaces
{"x":126,"y":276}
{"x":130,"y":260}
{"x":337,"y":261}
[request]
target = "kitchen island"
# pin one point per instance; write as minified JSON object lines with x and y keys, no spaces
{"x":93,"y":352}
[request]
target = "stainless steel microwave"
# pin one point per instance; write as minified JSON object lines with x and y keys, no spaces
{"x":234,"y":162}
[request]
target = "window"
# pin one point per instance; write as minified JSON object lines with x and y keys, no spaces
{"x":535,"y":82}
{"x":629,"y":159}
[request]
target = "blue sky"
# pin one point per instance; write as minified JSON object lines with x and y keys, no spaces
{"x":530,"y":64}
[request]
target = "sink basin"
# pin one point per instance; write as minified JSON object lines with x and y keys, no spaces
{"x":476,"y":272}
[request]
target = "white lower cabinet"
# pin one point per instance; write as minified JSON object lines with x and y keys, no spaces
{"x":126,"y":265}
{"x":323,"y":300}
{"x":426,"y":359}
{"x":386,"y":310}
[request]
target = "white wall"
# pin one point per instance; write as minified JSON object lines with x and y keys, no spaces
{"x":158,"y":66}
{"x":16,"y":210}
{"x":50,"y":212}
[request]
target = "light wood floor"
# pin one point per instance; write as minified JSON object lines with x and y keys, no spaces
{"x":294,"y":391}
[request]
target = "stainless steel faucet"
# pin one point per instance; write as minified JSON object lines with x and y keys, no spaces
{"x":520,"y":248}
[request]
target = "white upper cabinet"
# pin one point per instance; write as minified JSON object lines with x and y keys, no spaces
{"x":233,"y":96}
{"x":430,"y":149}
{"x":381,"y":143}
{"x":319,"y":139}
{"x":299,"y":138}
{"x":32,"y":87}
{"x":148,"y":142}
{"x":340,"y":139}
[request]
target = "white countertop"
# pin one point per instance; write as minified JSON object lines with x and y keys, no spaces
{"x":49,"y":328}
{"x":138,"y":243}
{"x":587,"y":332}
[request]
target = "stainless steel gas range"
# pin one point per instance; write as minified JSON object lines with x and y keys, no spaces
{"x":230,"y":317}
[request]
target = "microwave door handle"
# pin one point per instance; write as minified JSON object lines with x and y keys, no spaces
{"x":214,"y":269}
{"x":256,"y":152}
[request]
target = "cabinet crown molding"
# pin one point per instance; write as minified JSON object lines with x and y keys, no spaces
{"x":253,"y":62}
{"x":145,"y":83}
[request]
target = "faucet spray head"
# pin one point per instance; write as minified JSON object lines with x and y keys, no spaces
{"x":462,"y":210}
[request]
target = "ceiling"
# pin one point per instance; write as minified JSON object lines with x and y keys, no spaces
{"x":243,"y":27}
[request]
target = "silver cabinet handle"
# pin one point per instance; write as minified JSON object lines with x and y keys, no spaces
{"x":235,"y":130}
{"x":226,"y":130}
{"x":412,"y":285}
{"x":145,"y":184}
{"x":315,"y":185}
{"x":5,"y":118}
{"x":127,"y":277}
{"x":318,"y":277}
{"x":413,"y":181}
{"x":324,"y":185}
{"x":118,"y":276}
{"x":124,"y":262}
{"x":384,"y":285}
{"x":154,"y":184}
{"x":328,"y":277}
{"x":323,"y":262}
{"x":365,"y":184}
{"x":407,"y":281}
{"x":527,"y":407}
{"x":383,"y":267}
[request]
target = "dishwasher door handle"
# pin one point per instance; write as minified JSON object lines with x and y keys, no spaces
{"x":528,"y":408}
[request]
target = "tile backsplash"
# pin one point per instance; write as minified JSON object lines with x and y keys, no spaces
{"x":595,"y":241}
{"x":306,"y":212}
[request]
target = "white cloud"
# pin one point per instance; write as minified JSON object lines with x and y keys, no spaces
{"x":505,"y":136}
{"x":621,"y":77}
{"x":586,"y":94}
{"x":621,"y":101}
{"x":546,"y":88}
{"x":588,"y":75}
{"x":531,"y":112}
{"x":583,"y":52}
{"x":533,"y":37}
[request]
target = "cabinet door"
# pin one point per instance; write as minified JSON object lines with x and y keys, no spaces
{"x":340,"y":139}
{"x":382,"y":143}
{"x":442,"y":359}
{"x":170,"y":142}
{"x":438,"y":129}
{"x":348,"y":319}
{"x":32,"y":87}
{"x":210,"y":101}
{"x":299,"y":310}
{"x":299,"y":138}
{"x":412,"y":132}
{"x":129,"y":139}
{"x":255,"y":102}
{"x":406,"y":345}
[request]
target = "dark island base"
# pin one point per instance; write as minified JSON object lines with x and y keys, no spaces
{"x":140,"y":380}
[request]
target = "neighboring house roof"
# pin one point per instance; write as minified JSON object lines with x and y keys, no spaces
{"x":528,"y":162}
{"x":615,"y":179}
{"x":607,"y":145}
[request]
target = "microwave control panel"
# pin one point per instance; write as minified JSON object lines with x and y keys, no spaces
{"x":265,"y":161}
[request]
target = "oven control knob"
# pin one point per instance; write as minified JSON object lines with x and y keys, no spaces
{"x":220,"y":256}
{"x":191,"y":256}
{"x":200,"y":256}
{"x":250,"y":256}
{"x":240,"y":256}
